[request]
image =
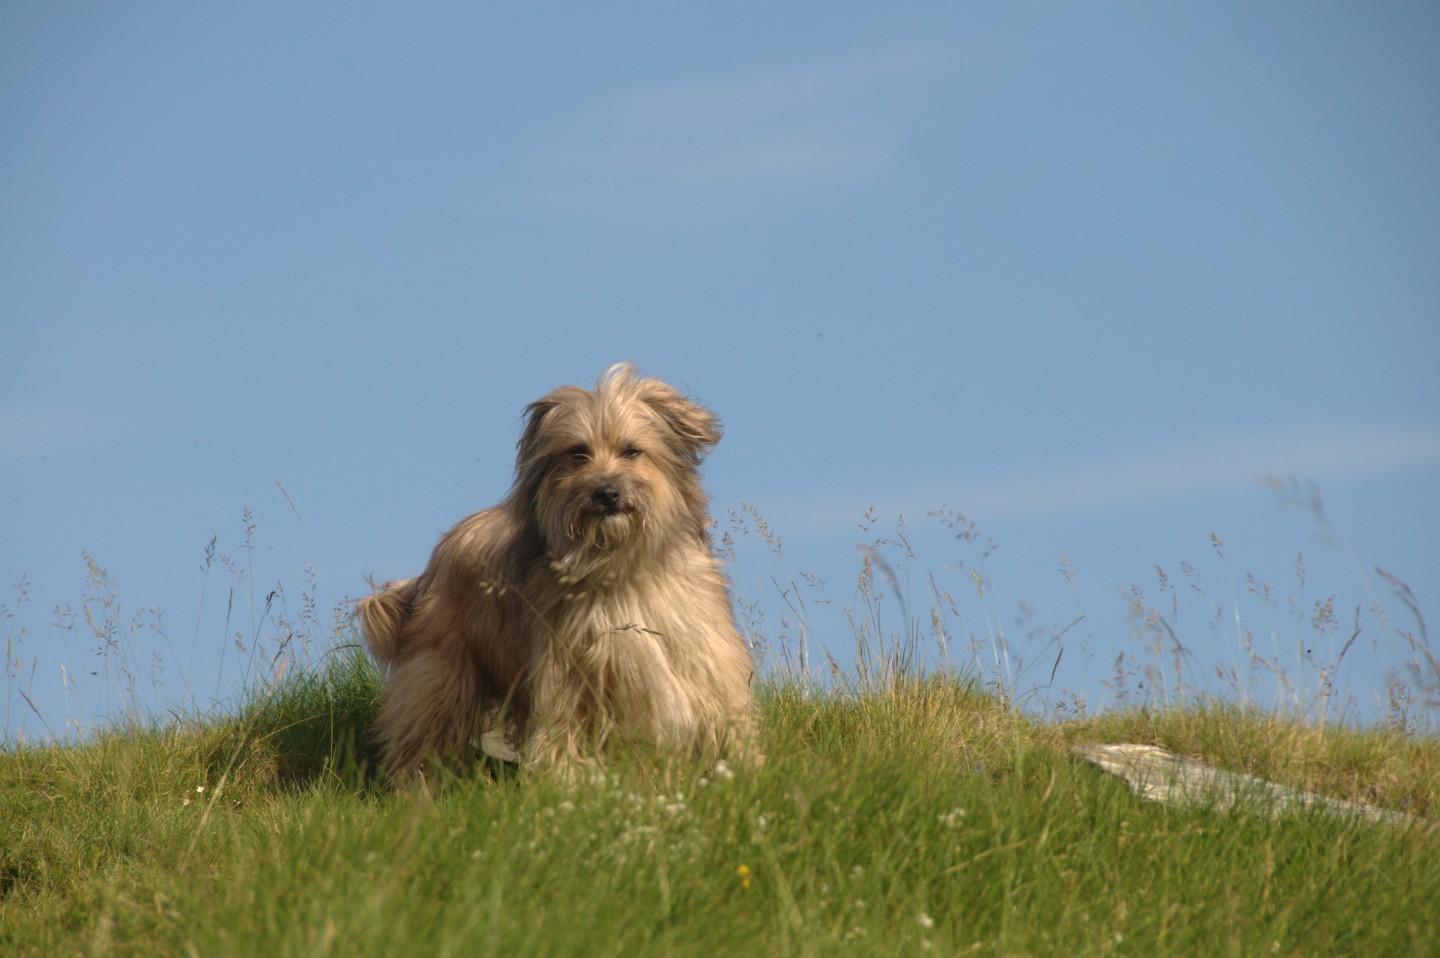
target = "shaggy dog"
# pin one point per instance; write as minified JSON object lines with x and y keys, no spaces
{"x":584,"y":612}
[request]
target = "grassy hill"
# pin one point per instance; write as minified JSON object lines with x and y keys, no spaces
{"x":908,"y":816}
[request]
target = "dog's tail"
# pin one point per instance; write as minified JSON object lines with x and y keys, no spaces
{"x":382,"y":616}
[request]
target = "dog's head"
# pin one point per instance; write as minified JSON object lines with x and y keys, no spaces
{"x":614,"y":467}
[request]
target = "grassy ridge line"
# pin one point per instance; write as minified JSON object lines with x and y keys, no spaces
{"x":918,"y":816}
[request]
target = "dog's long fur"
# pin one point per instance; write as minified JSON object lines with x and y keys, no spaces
{"x":584,"y":611}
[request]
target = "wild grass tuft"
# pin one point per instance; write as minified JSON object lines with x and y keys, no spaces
{"x":313,"y":724}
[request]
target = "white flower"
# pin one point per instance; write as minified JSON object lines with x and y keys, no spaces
{"x":925,"y":920}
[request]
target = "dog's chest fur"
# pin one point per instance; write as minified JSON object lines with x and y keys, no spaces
{"x":645,"y":650}
{"x":639,"y":625}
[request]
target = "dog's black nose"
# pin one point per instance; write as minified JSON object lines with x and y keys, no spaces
{"x":607,"y":498}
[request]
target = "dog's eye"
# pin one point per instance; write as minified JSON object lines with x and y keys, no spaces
{"x":630,"y":453}
{"x":580,"y":453}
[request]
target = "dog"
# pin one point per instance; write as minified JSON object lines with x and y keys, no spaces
{"x":582,"y":614}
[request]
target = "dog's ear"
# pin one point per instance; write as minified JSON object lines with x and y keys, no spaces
{"x":696,"y":429}
{"x":530,"y":433}
{"x":529,"y":445}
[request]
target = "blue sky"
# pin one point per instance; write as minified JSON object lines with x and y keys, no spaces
{"x":1078,"y":272}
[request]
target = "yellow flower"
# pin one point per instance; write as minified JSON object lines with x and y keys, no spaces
{"x":744,"y":872}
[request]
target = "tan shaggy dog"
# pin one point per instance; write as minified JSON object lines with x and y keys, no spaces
{"x":583,"y":612}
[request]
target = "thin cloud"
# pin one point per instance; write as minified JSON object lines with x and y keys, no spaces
{"x":31,"y":432}
{"x":771,"y":126}
{"x":1186,"y":470}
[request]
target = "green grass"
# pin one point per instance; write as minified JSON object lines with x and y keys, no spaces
{"x":895,"y":814}
{"x":917,"y":815}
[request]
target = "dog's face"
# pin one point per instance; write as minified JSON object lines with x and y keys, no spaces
{"x":614,"y":467}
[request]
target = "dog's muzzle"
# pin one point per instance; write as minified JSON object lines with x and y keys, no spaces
{"x":607,"y":500}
